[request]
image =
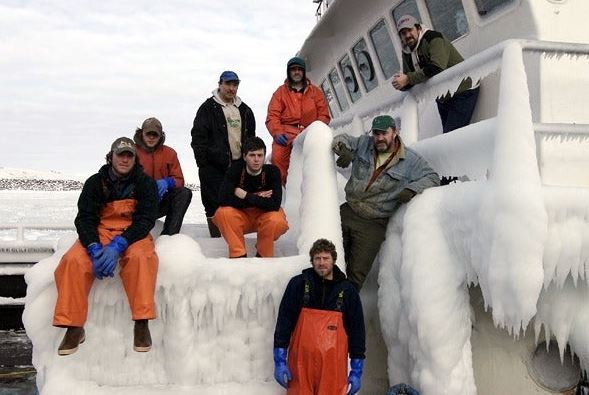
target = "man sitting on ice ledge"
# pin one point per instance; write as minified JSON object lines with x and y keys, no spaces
{"x":117,"y":208}
{"x":249,"y":200}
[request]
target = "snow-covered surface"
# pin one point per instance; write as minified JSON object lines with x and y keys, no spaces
{"x":524,"y":243}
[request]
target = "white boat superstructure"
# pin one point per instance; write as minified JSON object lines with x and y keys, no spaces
{"x":531,"y":59}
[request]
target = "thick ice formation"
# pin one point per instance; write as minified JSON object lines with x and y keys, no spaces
{"x":216,"y":316}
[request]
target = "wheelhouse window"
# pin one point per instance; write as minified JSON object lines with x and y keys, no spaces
{"x":365,"y":65}
{"x":350,"y":80}
{"x":485,"y":7}
{"x":448,"y":18}
{"x":338,"y":87}
{"x":330,"y":98}
{"x":385,"y":51}
{"x":406,"y":7}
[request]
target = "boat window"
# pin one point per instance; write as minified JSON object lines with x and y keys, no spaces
{"x":487,"y":6}
{"x":329,"y":97}
{"x":339,"y":89}
{"x":448,"y":18}
{"x":406,"y":7}
{"x":350,"y":79}
{"x":365,"y":65}
{"x":385,"y":52}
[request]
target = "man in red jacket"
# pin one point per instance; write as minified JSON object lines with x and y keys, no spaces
{"x":161,"y":163}
{"x":294,"y":106}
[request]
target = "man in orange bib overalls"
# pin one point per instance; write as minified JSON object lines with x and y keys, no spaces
{"x":320,"y":322}
{"x":117,"y":208}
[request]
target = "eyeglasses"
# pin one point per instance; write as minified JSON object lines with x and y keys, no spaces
{"x":152,"y":134}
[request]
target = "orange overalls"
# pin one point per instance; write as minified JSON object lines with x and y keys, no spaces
{"x":234,"y":223}
{"x":74,"y":277}
{"x":318,"y":353}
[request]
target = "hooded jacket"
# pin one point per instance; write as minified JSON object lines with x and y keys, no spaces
{"x":102,"y":188}
{"x":290,"y":111}
{"x":381,"y":198}
{"x":160,"y":161}
{"x":433,"y":54}
{"x":210,"y":141}
{"x":323,"y":295}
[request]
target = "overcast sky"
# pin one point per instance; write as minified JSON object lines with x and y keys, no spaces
{"x":76,"y":74}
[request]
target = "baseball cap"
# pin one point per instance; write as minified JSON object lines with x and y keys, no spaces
{"x":296,"y":61}
{"x":123,"y":144}
{"x":383,"y":122}
{"x":406,"y":22}
{"x":152,"y":125}
{"x":228,"y":76}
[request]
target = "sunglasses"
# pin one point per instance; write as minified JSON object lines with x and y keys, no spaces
{"x":152,"y":134}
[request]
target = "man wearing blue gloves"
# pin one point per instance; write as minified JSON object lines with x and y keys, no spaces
{"x":116,"y":210}
{"x":320,"y":322}
{"x":161,"y":163}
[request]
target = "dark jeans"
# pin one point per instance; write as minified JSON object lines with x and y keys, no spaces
{"x":456,"y":111}
{"x":211,"y":179}
{"x":362,"y":240}
{"x":174,"y":206}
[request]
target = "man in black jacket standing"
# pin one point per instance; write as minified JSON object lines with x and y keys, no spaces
{"x":117,"y":208}
{"x":249,"y":201}
{"x":221,"y":125}
{"x":320,"y":322}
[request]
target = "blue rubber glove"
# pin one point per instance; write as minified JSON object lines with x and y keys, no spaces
{"x":171,"y":183}
{"x":162,"y":187}
{"x":355,"y":376}
{"x":281,"y":372}
{"x":281,"y":139}
{"x":110,"y":255}
{"x":402,"y":388}
{"x":95,"y":252}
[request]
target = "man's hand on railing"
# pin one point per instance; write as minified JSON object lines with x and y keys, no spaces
{"x":400,"y":81}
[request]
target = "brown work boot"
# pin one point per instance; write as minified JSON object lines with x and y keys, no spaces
{"x":142,"y":340}
{"x":213,"y":229}
{"x":73,"y":337}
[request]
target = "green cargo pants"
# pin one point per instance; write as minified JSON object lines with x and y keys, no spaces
{"x":362,"y":240}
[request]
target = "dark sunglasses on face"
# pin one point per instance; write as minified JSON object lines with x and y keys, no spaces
{"x":152,"y":134}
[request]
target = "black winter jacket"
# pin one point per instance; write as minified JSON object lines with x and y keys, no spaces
{"x":103,"y":188}
{"x":323,"y":296}
{"x":210,"y":141}
{"x":237,"y":176}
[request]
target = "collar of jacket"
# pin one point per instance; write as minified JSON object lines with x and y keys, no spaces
{"x":236,"y":101}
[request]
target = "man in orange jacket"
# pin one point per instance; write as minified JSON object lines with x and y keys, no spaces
{"x":116,"y":210}
{"x":294,"y":106}
{"x":161,"y":163}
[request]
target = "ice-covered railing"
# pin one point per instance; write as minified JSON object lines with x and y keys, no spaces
{"x":216,"y":316}
{"x":452,"y":150}
{"x":29,"y":243}
{"x":526,"y":245}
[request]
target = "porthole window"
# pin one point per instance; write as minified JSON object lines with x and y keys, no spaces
{"x":385,"y":51}
{"x":448,"y":18}
{"x":340,"y":91}
{"x":406,"y":7}
{"x":365,"y":65}
{"x":330,"y":98}
{"x":485,"y":7}
{"x":350,"y":80}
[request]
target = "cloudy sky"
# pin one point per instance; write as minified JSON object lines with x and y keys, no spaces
{"x":76,"y":74}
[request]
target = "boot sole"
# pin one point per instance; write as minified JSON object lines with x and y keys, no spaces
{"x":142,"y":349}
{"x":70,"y":351}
